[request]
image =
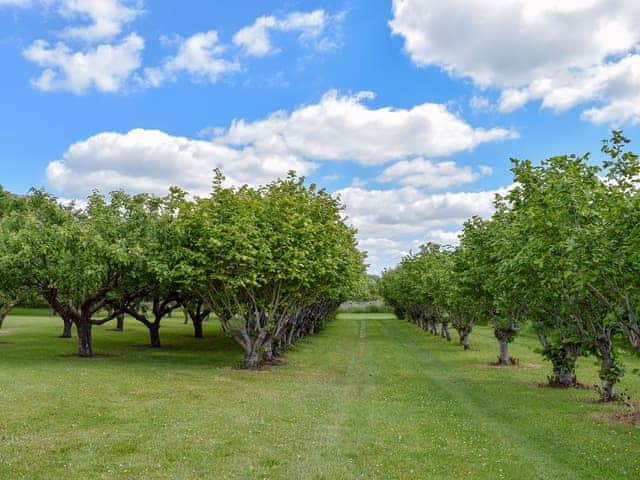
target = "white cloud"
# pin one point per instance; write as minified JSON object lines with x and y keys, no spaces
{"x":385,"y":252}
{"x":338,"y":128}
{"x":344,"y":128}
{"x":91,"y":56}
{"x":255,"y":40}
{"x":615,"y":84}
{"x":151,"y":160}
{"x":104,"y":67}
{"x":479,"y":104}
{"x":436,"y":176}
{"x":532,"y":49}
{"x":199,"y":56}
{"x":413,"y":210}
{"x":391,"y":222}
{"x":107,"y":18}
{"x":444,"y":237}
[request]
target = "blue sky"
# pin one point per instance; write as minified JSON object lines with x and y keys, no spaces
{"x":408,"y":109}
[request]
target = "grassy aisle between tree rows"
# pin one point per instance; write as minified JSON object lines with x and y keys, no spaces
{"x":370,"y":397}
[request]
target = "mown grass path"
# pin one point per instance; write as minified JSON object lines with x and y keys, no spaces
{"x":370,"y":397}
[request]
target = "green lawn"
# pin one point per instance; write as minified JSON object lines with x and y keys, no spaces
{"x":370,"y":397}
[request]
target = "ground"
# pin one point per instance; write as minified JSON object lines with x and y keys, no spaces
{"x":370,"y":397}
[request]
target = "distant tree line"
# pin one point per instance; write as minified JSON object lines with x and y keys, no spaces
{"x":561,"y":252}
{"x":272,"y":263}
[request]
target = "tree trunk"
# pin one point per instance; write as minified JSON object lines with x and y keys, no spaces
{"x":186,"y":315}
{"x":504,"y":359}
{"x":197,"y":328}
{"x":564,"y":366}
{"x":66,"y":328}
{"x":85,"y":348}
{"x":608,"y":390}
{"x":290,"y":335}
{"x":464,"y":338}
{"x":504,"y":336}
{"x":434,"y":328}
{"x":608,"y":368}
{"x":277,"y":349}
{"x":154,"y":334}
{"x":445,"y":331}
{"x":634,"y":337}
{"x":563,"y":376}
{"x":251,"y":360}
{"x":5,"y":309}
{"x":267,"y":354}
{"x":120,"y":322}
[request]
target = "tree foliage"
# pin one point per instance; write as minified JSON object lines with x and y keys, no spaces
{"x":273,"y":262}
{"x":561,"y":251}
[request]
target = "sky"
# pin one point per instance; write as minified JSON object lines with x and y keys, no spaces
{"x":409,"y":110}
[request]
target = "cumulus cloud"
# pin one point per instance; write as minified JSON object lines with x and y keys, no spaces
{"x":103,"y":19}
{"x":436,"y":176}
{"x":255,"y":40}
{"x":338,"y":128}
{"x":93,"y":53}
{"x":615,"y":84}
{"x":151,"y":160}
{"x":104,"y":67}
{"x":199,"y":56}
{"x":106,"y":18}
{"x":546,"y":50}
{"x":391,"y":222}
{"x":345,"y":128}
{"x":91,"y":64}
{"x":409,"y":210}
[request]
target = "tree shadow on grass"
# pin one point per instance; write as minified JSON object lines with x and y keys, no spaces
{"x":34,"y":346}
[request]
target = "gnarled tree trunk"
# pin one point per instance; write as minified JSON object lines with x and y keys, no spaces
{"x":564,"y":365}
{"x":504,"y":336}
{"x":608,"y":368}
{"x":267,"y":353}
{"x":633,"y":333}
{"x":67,"y":324}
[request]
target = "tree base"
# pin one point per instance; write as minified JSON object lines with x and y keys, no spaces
{"x":555,"y":382}
{"x":512,"y":362}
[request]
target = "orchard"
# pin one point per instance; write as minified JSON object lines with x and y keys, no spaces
{"x":560,"y":255}
{"x":272,"y":263}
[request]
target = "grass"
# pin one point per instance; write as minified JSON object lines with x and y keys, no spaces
{"x":370,"y":397}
